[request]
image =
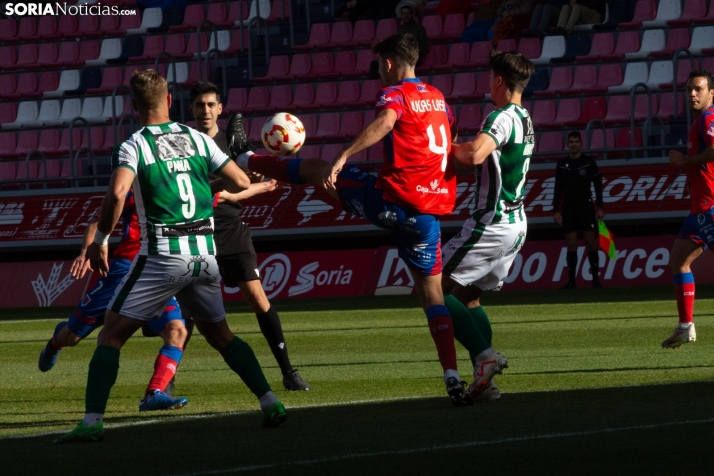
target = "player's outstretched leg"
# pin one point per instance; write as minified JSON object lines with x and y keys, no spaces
{"x":49,"y":354}
{"x":240,"y":358}
{"x":684,"y":333}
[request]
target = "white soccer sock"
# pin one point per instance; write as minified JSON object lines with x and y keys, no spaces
{"x":684,"y":325}
{"x":267,"y":400}
{"x":242,"y":160}
{"x":92,"y":418}
{"x":451,"y":373}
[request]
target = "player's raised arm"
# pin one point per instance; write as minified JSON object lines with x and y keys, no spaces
{"x":234,"y":179}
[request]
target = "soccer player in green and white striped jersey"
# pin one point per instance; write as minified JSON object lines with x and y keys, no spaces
{"x":167,"y":165}
{"x":479,"y":257}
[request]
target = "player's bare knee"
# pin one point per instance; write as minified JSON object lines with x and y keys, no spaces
{"x":174,"y":333}
{"x":67,"y":338}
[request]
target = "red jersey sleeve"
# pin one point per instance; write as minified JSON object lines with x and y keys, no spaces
{"x":450,"y":115}
{"x":391,"y":98}
{"x":707,"y":132}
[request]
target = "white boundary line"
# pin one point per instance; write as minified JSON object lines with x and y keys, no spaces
{"x":467,"y":444}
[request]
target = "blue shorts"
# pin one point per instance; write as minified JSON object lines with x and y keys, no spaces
{"x":91,"y":310}
{"x":417,"y":235}
{"x":699,"y":228}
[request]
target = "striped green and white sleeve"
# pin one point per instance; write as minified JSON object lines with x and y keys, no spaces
{"x":126,"y":155}
{"x":499,"y":126}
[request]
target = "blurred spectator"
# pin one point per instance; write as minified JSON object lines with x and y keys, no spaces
{"x":417,"y":5}
{"x":512,"y":16}
{"x":447,"y":7}
{"x":484,"y":18}
{"x":579,"y":12}
{"x":410,"y":26}
{"x":374,"y":9}
{"x":545,"y":15}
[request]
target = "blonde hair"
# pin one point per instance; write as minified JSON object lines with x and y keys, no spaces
{"x":149,"y":89}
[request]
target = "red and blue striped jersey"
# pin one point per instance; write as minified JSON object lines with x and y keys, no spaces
{"x":701,"y":177}
{"x":417,"y":172}
{"x":131,"y":234}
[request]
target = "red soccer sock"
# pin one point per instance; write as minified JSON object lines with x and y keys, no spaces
{"x":442,"y":331}
{"x":278,"y":168}
{"x":164,"y":368}
{"x":684,"y":289}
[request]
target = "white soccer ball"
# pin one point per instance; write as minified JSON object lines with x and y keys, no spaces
{"x":283,"y":134}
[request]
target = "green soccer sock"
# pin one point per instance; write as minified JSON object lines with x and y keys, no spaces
{"x":483,"y":323}
{"x":103,"y":370}
{"x":466,"y":330}
{"x":241,"y":359}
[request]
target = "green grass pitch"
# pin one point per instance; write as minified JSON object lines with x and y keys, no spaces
{"x":588,"y":391}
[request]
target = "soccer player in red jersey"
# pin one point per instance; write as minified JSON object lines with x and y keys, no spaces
{"x":89,"y":315}
{"x":414,"y":186}
{"x":697,"y":233}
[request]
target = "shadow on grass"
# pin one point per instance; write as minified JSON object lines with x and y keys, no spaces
{"x":632,"y":430}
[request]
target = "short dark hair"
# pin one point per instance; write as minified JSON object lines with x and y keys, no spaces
{"x":513,"y":67}
{"x":702,"y":73}
{"x":575,"y":134}
{"x":409,"y":7}
{"x":204,"y":87}
{"x":402,"y":48}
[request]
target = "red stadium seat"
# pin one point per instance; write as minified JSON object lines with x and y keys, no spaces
{"x":598,"y":140}
{"x":309,"y":152}
{"x":609,"y":75}
{"x":385,"y":27}
{"x":46,"y":29}
{"x":49,"y":81}
{"x":561,"y":79}
{"x":645,"y":10}
{"x":643,"y":105}
{"x":684,"y":67}
{"x":482,"y":83}
{"x":627,"y":42}
{"x":8,"y":143}
{"x":49,"y":141}
{"x":593,"y":108}
{"x":601,"y":44}
{"x":464,"y":88}
{"x":8,"y":29}
{"x":281,"y":97}
{"x":235,"y":46}
{"x":351,"y":125}
{"x":444,"y":83}
{"x":362,"y":65}
{"x":550,"y":142}
{"x":67,"y":148}
{"x":530,"y":47}
{"x":176,"y":46}
{"x":304,"y":96}
{"x":47,"y":56}
{"x":345,"y":63}
{"x":8,"y":172}
{"x":709,"y":18}
{"x":506,"y":45}
{"x":543,"y":113}
{"x":235,"y":13}
{"x":363,"y":34}
{"x":677,"y":38}
{"x":218,"y":14}
{"x":8,"y":86}
{"x":568,"y":112}
{"x":96,"y":135}
{"x":192,"y":45}
{"x":153,"y":47}
{"x":453,"y":26}
{"x":433,"y":26}
{"x":458,"y":55}
{"x":585,"y":78}
{"x":300,"y":65}
{"x":66,"y":28}
{"x":129,"y":72}
{"x":87,"y":25}
{"x":8,"y":112}
{"x":326,"y":94}
{"x":480,"y":54}
{"x":330,"y":151}
{"x":368,"y":96}
{"x":192,"y":17}
{"x":469,"y":118}
{"x":26,"y":142}
{"x":26,"y":56}
{"x":258,"y":97}
{"x":277,"y":12}
{"x":328,"y":127}
{"x":692,"y":11}
{"x":8,"y":57}
{"x":256,"y":126}
{"x":57,"y":168}
{"x":323,"y":65}
{"x":341,"y":34}
{"x":319,"y":35}
{"x":279,"y":66}
{"x":28,"y":170}
{"x":109,"y":25}
{"x":618,"y":110}
{"x":310,"y":123}
{"x":376,"y":152}
{"x":435,"y":57}
{"x":624,"y":136}
{"x":348,"y":92}
{"x":26,"y":86}
{"x":236,"y":101}
{"x":88,"y":50}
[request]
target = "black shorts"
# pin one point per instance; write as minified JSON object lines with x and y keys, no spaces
{"x":239,"y":262}
{"x":579,"y":218}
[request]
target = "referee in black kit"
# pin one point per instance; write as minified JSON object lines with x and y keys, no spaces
{"x":573,"y":176}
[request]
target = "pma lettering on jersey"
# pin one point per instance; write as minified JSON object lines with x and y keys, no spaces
{"x":428,"y":105}
{"x":178,"y":165}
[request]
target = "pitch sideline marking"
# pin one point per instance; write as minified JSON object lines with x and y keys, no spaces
{"x":467,"y":444}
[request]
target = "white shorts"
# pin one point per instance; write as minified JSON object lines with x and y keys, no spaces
{"x":481,"y":255}
{"x":152,"y":280}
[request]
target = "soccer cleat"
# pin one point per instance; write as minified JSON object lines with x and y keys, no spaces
{"x":274,"y":415}
{"x":158,"y":400}
{"x":457,"y":392}
{"x":235,"y":132}
{"x":568,"y":285}
{"x":491,"y":394}
{"x":293,"y":381}
{"x":48,"y":358}
{"x":83,"y":434}
{"x":485,"y":369}
{"x":679,"y":337}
